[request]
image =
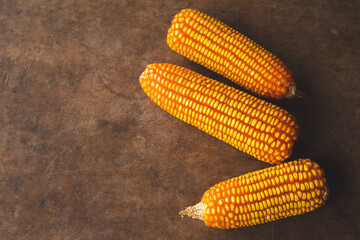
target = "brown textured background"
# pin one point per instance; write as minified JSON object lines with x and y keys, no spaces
{"x":86,"y":155}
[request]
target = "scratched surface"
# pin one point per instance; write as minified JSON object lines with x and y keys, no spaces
{"x":84,"y":154}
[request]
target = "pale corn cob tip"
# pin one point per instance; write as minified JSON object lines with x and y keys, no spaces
{"x":195,"y":211}
{"x":277,"y":192}
{"x":254,"y":126}
{"x":215,"y":45}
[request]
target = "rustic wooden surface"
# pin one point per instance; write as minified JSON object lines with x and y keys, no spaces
{"x":86,"y":155}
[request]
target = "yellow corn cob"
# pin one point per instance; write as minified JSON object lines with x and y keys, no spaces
{"x":277,"y":192}
{"x":224,"y":50}
{"x":254,"y":126}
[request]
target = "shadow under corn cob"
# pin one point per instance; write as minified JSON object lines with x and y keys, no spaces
{"x":287,"y":189}
{"x":252,"y":125}
{"x":224,"y":50}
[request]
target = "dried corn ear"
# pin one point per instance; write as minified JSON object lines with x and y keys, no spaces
{"x":213,"y":44}
{"x":287,"y":189}
{"x":252,"y":125}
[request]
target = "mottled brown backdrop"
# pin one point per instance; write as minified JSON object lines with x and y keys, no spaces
{"x":85,"y":154}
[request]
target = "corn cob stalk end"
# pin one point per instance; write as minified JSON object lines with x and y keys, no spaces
{"x":195,"y":211}
{"x":292,"y":92}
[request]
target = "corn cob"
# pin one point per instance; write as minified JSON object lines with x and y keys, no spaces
{"x":252,"y":125}
{"x":213,"y":44}
{"x":277,"y":192}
